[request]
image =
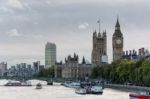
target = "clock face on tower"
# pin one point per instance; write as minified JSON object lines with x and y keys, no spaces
{"x":118,"y":41}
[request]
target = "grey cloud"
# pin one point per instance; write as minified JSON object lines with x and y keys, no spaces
{"x":58,"y":21}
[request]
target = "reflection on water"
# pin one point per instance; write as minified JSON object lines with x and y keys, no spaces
{"x":53,"y":92}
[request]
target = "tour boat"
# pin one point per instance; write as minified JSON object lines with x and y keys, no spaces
{"x":81,"y":91}
{"x":140,"y":96}
{"x":17,"y":83}
{"x":39,"y":86}
{"x":96,"y":89}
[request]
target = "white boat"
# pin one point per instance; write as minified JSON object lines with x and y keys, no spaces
{"x":39,"y":86}
{"x":72,"y":84}
{"x":81,"y":91}
{"x":17,"y":83}
{"x":96,"y":89}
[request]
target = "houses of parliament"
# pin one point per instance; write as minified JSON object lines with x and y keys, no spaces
{"x":100,"y":45}
{"x":72,"y":68}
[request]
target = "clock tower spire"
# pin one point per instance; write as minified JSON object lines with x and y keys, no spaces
{"x":117,"y":42}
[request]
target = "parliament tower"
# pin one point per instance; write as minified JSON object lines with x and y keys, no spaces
{"x":99,"y":47}
{"x":117,"y":42}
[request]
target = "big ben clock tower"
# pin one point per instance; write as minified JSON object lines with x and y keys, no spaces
{"x":117,"y":42}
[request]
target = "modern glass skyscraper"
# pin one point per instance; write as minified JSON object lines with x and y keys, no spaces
{"x":50,"y":54}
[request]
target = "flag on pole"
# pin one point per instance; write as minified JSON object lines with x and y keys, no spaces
{"x":99,"y":25}
{"x":98,"y":21}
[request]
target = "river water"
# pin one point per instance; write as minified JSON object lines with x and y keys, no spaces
{"x":54,"y":92}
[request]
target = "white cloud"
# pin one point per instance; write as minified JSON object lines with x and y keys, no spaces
{"x":83,"y":26}
{"x":15,"y":4}
{"x":14,"y":33}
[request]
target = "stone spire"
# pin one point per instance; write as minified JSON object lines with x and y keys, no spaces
{"x":117,"y":23}
{"x":83,"y":60}
{"x":117,"y":29}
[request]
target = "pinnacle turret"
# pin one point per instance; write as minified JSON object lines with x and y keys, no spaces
{"x":83,"y":60}
{"x":117,"y":29}
{"x":117,"y":23}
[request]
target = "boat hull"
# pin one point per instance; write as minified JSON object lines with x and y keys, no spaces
{"x":18,"y":85}
{"x":97,"y":90}
{"x":49,"y":83}
{"x":81,"y":91}
{"x":138,"y":96}
{"x":38,"y":87}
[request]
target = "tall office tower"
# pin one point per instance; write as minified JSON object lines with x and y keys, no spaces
{"x":50,"y":55}
{"x":3,"y":69}
{"x":36,"y":66}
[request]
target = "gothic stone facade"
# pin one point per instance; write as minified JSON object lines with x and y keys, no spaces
{"x":117,"y":42}
{"x":72,"y":69}
{"x":137,"y":55}
{"x":99,"y":47}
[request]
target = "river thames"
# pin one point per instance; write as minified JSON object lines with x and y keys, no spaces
{"x":54,"y":92}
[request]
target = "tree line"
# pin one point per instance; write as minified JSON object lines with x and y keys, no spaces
{"x":47,"y":72}
{"x":124,"y":71}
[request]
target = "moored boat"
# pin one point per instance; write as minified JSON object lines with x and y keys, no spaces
{"x":49,"y":82}
{"x":71,"y":84}
{"x":75,"y":85}
{"x":96,"y":89}
{"x":17,"y":83}
{"x":67,"y":84}
{"x":140,"y":96}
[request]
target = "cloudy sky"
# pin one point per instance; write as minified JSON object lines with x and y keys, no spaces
{"x":26,"y":26}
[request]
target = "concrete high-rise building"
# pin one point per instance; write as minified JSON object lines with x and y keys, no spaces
{"x":50,"y":55}
{"x":36,"y":66}
{"x":117,"y":42}
{"x":3,"y":69}
{"x":23,"y":70}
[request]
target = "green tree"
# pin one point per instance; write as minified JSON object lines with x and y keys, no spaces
{"x":123,"y":70}
{"x":47,"y":72}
